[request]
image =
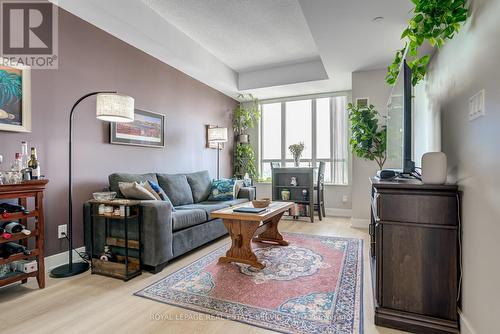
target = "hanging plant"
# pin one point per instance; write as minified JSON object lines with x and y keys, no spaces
{"x":434,"y":21}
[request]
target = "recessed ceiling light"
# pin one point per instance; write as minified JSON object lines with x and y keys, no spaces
{"x":378,"y":19}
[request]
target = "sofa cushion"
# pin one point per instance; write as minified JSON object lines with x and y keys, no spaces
{"x":207,"y":207}
{"x":182,"y":219}
{"x":235,"y":201}
{"x":176,"y":187}
{"x":200,"y":184}
{"x":115,"y":178}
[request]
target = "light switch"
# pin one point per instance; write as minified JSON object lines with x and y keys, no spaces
{"x":476,"y":105}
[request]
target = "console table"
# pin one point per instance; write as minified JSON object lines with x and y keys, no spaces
{"x":33,"y":220}
{"x":414,"y":251}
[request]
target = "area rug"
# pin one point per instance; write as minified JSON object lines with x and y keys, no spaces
{"x":314,"y":285}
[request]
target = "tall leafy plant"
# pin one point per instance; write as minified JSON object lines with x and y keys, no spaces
{"x":368,"y":137}
{"x":434,"y":21}
{"x":244,"y":161}
{"x":245,"y":116}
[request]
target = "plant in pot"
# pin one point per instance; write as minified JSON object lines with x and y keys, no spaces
{"x":368,"y":137}
{"x":245,"y":116}
{"x":296,"y":150}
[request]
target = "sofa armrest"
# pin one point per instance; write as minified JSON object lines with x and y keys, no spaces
{"x":247,"y":193}
{"x":156,"y":231}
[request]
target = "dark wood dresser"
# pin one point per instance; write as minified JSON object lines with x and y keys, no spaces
{"x":414,"y":233}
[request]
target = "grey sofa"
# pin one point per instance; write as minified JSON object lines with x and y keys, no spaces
{"x":170,"y":229}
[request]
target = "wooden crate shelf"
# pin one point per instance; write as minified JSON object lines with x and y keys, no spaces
{"x":117,"y":242}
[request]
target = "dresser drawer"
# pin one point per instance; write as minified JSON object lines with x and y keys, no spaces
{"x":439,"y":209}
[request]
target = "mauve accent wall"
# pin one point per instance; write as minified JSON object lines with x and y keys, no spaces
{"x":92,"y":60}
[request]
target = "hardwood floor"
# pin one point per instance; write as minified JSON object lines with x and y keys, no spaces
{"x":97,"y":304}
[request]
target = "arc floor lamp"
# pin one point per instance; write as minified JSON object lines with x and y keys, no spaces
{"x":110,"y":107}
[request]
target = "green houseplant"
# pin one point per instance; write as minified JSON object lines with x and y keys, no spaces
{"x":245,"y":116}
{"x":368,"y":137}
{"x":434,"y":21}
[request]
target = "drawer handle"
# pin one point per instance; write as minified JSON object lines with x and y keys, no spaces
{"x":375,"y":207}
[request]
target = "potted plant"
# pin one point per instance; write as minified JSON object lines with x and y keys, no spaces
{"x":245,"y":116}
{"x":296,"y":150}
{"x":368,"y":137}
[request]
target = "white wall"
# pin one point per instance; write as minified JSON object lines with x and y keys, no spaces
{"x":369,"y":84}
{"x":464,"y":66}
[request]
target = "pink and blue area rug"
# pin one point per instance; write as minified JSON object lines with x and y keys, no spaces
{"x":314,"y":285}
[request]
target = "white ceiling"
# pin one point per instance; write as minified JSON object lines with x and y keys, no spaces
{"x":245,"y":35}
{"x":271,"y":48}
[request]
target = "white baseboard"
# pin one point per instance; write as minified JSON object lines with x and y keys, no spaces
{"x":56,"y":260}
{"x":360,"y":222}
{"x":338,"y":212}
{"x":465,"y":327}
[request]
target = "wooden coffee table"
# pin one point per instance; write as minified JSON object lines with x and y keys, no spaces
{"x":242,"y":228}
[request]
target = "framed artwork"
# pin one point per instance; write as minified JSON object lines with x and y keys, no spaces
{"x":363,"y":102}
{"x":209,"y":144}
{"x":147,"y":129}
{"x":15,"y":98}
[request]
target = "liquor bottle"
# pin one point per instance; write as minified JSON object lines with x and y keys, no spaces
{"x":24,"y":155}
{"x":34,"y":165}
{"x":17,"y":166}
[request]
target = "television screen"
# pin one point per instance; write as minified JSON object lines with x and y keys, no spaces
{"x":399,"y":123}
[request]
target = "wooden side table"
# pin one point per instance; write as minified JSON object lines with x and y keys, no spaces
{"x":33,"y":220}
{"x":124,"y":267}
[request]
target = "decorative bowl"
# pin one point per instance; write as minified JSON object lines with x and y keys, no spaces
{"x":261,"y":203}
{"x":104,"y":195}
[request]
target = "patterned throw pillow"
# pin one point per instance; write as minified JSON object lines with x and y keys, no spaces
{"x":222,"y":190}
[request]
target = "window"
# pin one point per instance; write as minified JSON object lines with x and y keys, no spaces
{"x":320,"y":123}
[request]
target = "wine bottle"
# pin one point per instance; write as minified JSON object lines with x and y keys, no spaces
{"x":34,"y":165}
{"x":12,"y":227}
{"x":13,"y":248}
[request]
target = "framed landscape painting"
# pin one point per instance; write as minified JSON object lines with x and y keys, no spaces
{"x":147,"y":129}
{"x":15,"y":98}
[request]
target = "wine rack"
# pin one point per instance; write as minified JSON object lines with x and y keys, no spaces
{"x":34,"y":221}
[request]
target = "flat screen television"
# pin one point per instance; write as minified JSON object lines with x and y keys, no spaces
{"x":399,"y":123}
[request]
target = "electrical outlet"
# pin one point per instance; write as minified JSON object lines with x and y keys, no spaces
{"x":62,"y":230}
{"x":476,"y":106}
{"x":344,"y":199}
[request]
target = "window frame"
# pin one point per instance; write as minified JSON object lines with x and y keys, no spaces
{"x":314,"y":160}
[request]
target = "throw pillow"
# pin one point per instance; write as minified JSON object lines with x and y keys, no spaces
{"x":149,"y":188}
{"x":238,"y":184}
{"x":160,"y":193}
{"x":222,"y":190}
{"x":134,"y":190}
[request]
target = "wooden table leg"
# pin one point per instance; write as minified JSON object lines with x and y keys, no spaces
{"x":241,"y":249}
{"x":271,"y":233}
